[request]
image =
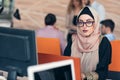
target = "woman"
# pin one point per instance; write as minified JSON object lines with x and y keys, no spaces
{"x":73,"y":8}
{"x":94,"y":51}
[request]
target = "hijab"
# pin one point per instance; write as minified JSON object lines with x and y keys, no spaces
{"x":87,"y":47}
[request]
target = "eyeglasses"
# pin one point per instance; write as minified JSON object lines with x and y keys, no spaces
{"x":88,"y":23}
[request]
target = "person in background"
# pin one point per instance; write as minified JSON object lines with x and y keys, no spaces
{"x":107,"y":29}
{"x":97,"y":6}
{"x":93,"y":50}
{"x":72,"y":11}
{"x":50,"y":30}
{"x":86,"y":2}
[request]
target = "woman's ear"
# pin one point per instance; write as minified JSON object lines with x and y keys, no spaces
{"x":108,"y":30}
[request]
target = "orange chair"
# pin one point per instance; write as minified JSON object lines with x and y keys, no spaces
{"x":48,"y":46}
{"x":46,"y":58}
{"x":114,"y":67}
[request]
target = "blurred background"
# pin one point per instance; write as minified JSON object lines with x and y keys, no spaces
{"x":32,"y":13}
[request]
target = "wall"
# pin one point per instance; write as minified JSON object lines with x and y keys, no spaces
{"x":33,"y":13}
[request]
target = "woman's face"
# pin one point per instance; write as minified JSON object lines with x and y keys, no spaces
{"x":86,"y":25}
{"x":76,"y":3}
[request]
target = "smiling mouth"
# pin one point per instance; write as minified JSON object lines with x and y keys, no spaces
{"x":85,"y":31}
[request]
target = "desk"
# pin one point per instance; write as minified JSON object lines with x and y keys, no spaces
{"x":18,"y":78}
{"x":45,"y":58}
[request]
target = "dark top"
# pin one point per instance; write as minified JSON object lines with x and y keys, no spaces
{"x":71,"y":31}
{"x":105,"y":51}
{"x":74,"y":20}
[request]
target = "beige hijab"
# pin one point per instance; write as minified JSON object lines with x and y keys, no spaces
{"x":87,"y":47}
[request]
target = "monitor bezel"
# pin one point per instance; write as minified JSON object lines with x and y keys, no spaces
{"x":51,"y":65}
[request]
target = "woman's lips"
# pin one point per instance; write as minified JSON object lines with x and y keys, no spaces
{"x":85,"y":31}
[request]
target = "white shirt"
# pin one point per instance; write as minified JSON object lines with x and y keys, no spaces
{"x":110,"y":36}
{"x":100,"y":9}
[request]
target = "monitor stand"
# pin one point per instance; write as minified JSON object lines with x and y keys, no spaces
{"x":12,"y":75}
{"x":13,"y":72}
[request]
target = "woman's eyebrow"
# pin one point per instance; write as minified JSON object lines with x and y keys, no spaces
{"x":80,"y":20}
{"x":89,"y":20}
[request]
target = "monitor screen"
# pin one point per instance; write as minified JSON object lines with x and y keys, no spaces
{"x":59,"y":70}
{"x":17,"y":51}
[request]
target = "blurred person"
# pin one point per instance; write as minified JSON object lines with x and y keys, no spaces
{"x":97,"y":6}
{"x":93,"y":50}
{"x":72,"y":11}
{"x":50,"y":30}
{"x":107,"y":29}
{"x":86,"y":2}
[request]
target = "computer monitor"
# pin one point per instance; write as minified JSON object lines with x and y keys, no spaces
{"x":17,"y":51}
{"x":59,"y":70}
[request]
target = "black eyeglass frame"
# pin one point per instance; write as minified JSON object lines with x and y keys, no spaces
{"x":86,"y":23}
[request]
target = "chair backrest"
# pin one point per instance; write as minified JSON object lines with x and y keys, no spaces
{"x":115,"y":64}
{"x":48,"y":45}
